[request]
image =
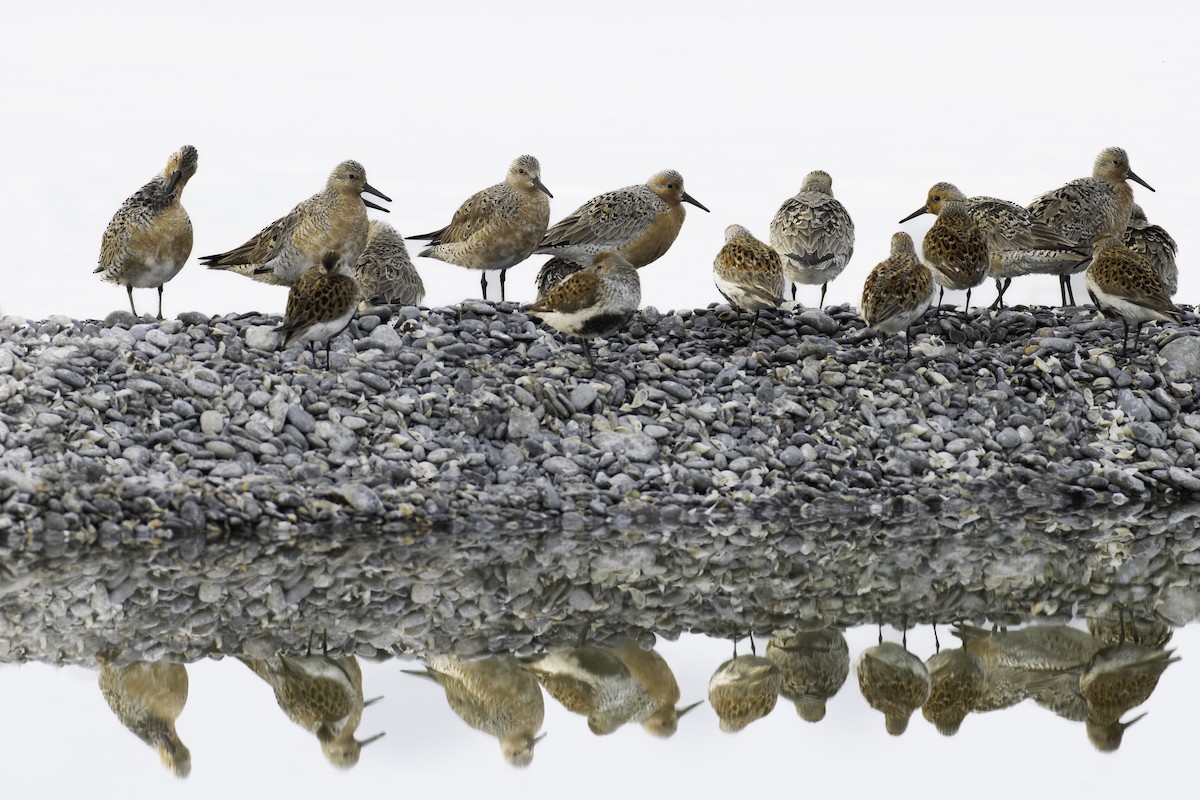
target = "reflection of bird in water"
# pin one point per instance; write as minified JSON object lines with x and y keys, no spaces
{"x":957,"y":683}
{"x":148,"y":696}
{"x":1118,"y":678}
{"x":743,"y":689}
{"x":322,"y":694}
{"x":656,"y":680}
{"x":494,"y":695}
{"x":813,"y":665}
{"x":893,"y":681}
{"x":1116,"y":630}
{"x":1037,"y":647}
{"x":591,"y":681}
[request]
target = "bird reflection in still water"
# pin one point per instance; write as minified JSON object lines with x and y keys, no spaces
{"x":893,"y":681}
{"x":744,"y":689}
{"x":813,"y":665}
{"x":148,"y":696}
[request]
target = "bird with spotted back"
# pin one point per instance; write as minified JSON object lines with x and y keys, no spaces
{"x":597,"y":301}
{"x":1016,"y":243}
{"x":1126,"y":286}
{"x":498,"y":227}
{"x":813,"y":666}
{"x":149,"y":239}
{"x":1117,"y":679}
{"x":148,"y":696}
{"x":1153,"y":242}
{"x":384,"y":272}
{"x":1087,"y":208}
{"x":748,"y":273}
{"x":592,"y":681}
{"x":744,"y":689}
{"x":893,"y":681}
{"x":954,"y":248}
{"x":322,"y":694}
{"x":898,"y":291}
{"x":813,"y":233}
{"x":333,"y":220}
{"x":493,"y":694}
{"x":321,"y":304}
{"x":638,"y":222}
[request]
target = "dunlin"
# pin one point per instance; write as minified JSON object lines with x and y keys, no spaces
{"x":321,"y":304}
{"x":148,"y":696}
{"x":957,"y":682}
{"x":898,"y":290}
{"x":1119,"y":678}
{"x":954,"y":248}
{"x":639,"y":222}
{"x":813,"y":665}
{"x":1155,"y":244}
{"x":322,"y":694}
{"x":748,"y":273}
{"x":744,"y":689}
{"x":498,"y":227}
{"x":335,"y":220}
{"x":1086,"y":208}
{"x":149,"y":239}
{"x":384,"y":272}
{"x":495,"y":695}
{"x":1126,"y":285}
{"x":813,"y":233}
{"x":893,"y":681}
{"x":596,"y":301}
{"x":660,"y":714}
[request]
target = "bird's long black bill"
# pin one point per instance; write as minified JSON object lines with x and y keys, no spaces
{"x":914,"y":215}
{"x":687,"y":198}
{"x":369,"y":204}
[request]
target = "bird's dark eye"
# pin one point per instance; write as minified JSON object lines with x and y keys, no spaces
{"x":937,"y":198}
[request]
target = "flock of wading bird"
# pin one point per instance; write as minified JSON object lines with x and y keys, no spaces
{"x":1095,"y":677}
{"x":335,"y":259}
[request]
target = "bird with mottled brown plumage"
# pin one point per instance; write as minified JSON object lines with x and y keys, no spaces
{"x":1086,"y":208}
{"x":149,"y":239}
{"x":813,"y":666}
{"x":322,"y":694}
{"x":1120,"y":628}
{"x":497,"y":227}
{"x":1153,"y":242}
{"x":956,"y":683}
{"x":813,"y":233}
{"x":1126,"y":286}
{"x":494,"y":694}
{"x":744,"y":689}
{"x":593,"y":302}
{"x":334,"y":220}
{"x":639,"y":222}
{"x":954,"y":248}
{"x":898,"y":290}
{"x":384,"y":272}
{"x":148,"y":696}
{"x":893,"y":681}
{"x":1034,"y":647}
{"x":594,"y":682}
{"x":748,"y":273}
{"x":321,"y":304}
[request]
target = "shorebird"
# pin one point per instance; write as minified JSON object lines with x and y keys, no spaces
{"x":813,"y":665}
{"x":1126,"y":285}
{"x":320,"y":304}
{"x":322,"y":694}
{"x":333,"y":220}
{"x":893,"y":681}
{"x":660,"y":715}
{"x":813,"y":233}
{"x":954,"y":248}
{"x":498,"y":227}
{"x":743,"y":689}
{"x":553,"y":272}
{"x":748,"y":273}
{"x":1086,"y":208}
{"x":148,"y":696}
{"x":1016,"y":244}
{"x":639,"y":222}
{"x":957,"y":683}
{"x":591,"y":681}
{"x":596,"y":301}
{"x":494,"y":695}
{"x":898,"y":290}
{"x":1155,"y":244}
{"x":149,"y":239}
{"x":1036,"y":647}
{"x":384,"y":273}
{"x":1119,"y":678}
{"x":1147,"y":631}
